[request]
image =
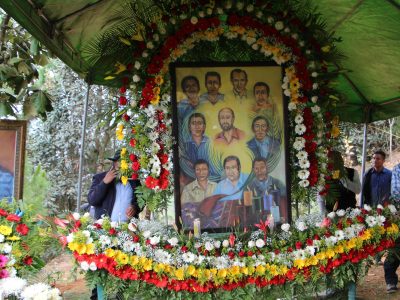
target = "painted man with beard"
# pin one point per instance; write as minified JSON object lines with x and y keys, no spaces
{"x":261,"y":96}
{"x":229,"y":133}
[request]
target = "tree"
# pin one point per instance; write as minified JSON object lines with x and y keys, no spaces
{"x":21,"y":61}
{"x":54,"y":143}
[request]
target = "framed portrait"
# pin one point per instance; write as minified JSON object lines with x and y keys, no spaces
{"x":12,"y":155}
{"x":231,"y":166}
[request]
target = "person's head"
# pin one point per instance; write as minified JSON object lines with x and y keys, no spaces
{"x":226,"y":117}
{"x":239,"y":80}
{"x":197,"y":124}
{"x":201,"y":169}
{"x":232,"y":167}
{"x":260,"y":168}
{"x":115,"y":159}
{"x":260,"y":127}
{"x":378,"y":159}
{"x":190,"y":86}
{"x":261,"y":92}
{"x":213,"y":82}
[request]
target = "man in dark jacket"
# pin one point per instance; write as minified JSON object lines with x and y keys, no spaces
{"x":112,"y":198}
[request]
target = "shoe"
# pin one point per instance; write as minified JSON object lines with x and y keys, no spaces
{"x":391,"y":288}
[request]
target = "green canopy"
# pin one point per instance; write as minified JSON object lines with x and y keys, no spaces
{"x":369,"y":30}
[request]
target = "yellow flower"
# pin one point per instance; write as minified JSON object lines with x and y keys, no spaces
{"x":124,"y":165}
{"x":123,"y":151}
{"x":80,"y":248}
{"x":336,"y":174}
{"x":392,"y":229}
{"x":329,"y":253}
{"x":124,"y":180}
{"x":234,"y":271}
{"x":260,"y":270}
{"x":90,"y":249}
{"x":155,"y":100}
{"x":109,"y":252}
{"x":122,"y":258}
{"x":222,"y":273}
{"x":320,"y":256}
{"x":326,"y":48}
{"x":179,"y":273}
{"x":5,"y":230}
{"x":351,"y":244}
{"x":190,"y":270}
{"x":366,"y":235}
{"x":159,"y":268}
{"x":245,"y":271}
{"x":159,"y":80}
{"x":148,"y":265}
{"x":299,"y":263}
{"x":335,"y":132}
{"x":156,"y":90}
{"x":134,"y":260}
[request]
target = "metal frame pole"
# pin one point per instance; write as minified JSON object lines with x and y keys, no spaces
{"x":364,"y":156}
{"x":82,"y":150}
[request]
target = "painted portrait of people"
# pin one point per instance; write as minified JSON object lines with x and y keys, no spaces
{"x":230,"y":124}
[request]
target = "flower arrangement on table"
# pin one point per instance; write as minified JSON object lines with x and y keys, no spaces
{"x":266,"y":31}
{"x":152,"y":259}
{"x":19,"y":255}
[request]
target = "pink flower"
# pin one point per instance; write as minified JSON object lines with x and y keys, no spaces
{"x":326,"y":222}
{"x":3,"y":261}
{"x":3,"y":274}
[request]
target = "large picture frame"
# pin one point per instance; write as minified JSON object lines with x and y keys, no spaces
{"x":12,"y":158}
{"x":230,"y":159}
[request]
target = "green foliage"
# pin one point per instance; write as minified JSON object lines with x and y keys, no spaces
{"x":20,"y":58}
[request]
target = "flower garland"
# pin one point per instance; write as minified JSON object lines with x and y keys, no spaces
{"x":148,"y":252}
{"x":279,"y":35}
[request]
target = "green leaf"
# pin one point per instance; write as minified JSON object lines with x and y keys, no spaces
{"x":14,"y":60}
{"x":34,"y":49}
{"x":41,"y":102}
{"x":6,"y":109}
{"x":7,"y":71}
{"x":24,"y":68}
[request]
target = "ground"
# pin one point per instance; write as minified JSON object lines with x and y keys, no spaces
{"x":373,"y":287}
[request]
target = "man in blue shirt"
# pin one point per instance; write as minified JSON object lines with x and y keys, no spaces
{"x":191,"y":88}
{"x":262,"y":145}
{"x":6,"y":184}
{"x":377,"y":181}
{"x":231,"y":190}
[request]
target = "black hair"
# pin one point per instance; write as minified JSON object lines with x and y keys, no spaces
{"x":212,"y":73}
{"x":257,"y":119}
{"x":189,"y":77}
{"x":201,"y":162}
{"x":381,"y":152}
{"x":261,"y":84}
{"x":238,"y":71}
{"x":230,"y":158}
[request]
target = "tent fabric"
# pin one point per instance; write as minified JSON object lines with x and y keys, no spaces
{"x":369,"y":30}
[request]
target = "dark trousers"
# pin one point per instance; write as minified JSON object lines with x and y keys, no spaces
{"x":93,"y":296}
{"x":391,"y":264}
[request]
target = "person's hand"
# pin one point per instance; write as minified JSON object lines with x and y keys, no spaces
{"x":110,"y":176}
{"x":130,"y":211}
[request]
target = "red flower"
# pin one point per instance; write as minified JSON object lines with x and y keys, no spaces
{"x":132,"y":142}
{"x":132,"y":157}
{"x":28,"y":260}
{"x":122,"y":100}
{"x":134,"y":176}
{"x":184,"y":249}
{"x":122,"y":89}
{"x":299,"y":245}
{"x":126,"y":117}
{"x":22,"y":229}
{"x":135,"y":166}
{"x":309,"y":242}
{"x":3,"y":213}
{"x":231,"y":255}
{"x":151,"y":182}
{"x":136,"y":238}
{"x":232,"y":239}
{"x":112,"y":231}
{"x":241,"y":253}
{"x":13,"y":218}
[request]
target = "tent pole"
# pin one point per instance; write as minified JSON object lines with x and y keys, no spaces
{"x":364,"y":156}
{"x":82,"y":150}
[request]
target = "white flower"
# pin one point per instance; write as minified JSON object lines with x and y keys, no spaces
{"x":156,"y":37}
{"x":220,"y":11}
{"x":154,"y":240}
{"x":225,"y":243}
{"x":40,"y":291}
{"x":146,"y":234}
{"x":304,"y":163}
{"x":201,"y":14}
{"x":135,"y":78}
{"x":392,"y":208}
{"x":133,"y":103}
{"x":217,"y":244}
{"x":2,"y":239}
{"x":270,"y":20}
{"x":279,"y":25}
{"x":302,"y":155}
{"x":380,"y":220}
{"x":70,"y":237}
{"x":314,"y":74}
{"x":301,"y":43}
{"x":150,"y":45}
{"x":314,"y":99}
{"x":84,"y":266}
{"x":104,"y":240}
{"x":7,"y":248}
{"x":240,"y":5}
{"x":145,"y":54}
{"x":173,"y":241}
{"x":12,"y":285}
{"x":285,"y":227}
{"x":194,"y":20}
{"x":92,"y":266}
{"x":113,"y":224}
{"x":188,"y":257}
{"x":251,"y":244}
{"x":228,"y":4}
{"x":209,"y":11}
{"x":128,"y":246}
{"x":301,"y":226}
{"x":310,"y":250}
{"x":331,"y":215}
{"x":173,"y":21}
{"x":76,"y":216}
{"x":295,"y":36}
{"x":339,"y":234}
{"x":299,"y":119}
{"x":304,"y":183}
{"x":250,"y":8}
{"x":209,"y":246}
{"x":260,"y":243}
{"x":379,"y":206}
{"x":367,"y":207}
{"x":371,"y":221}
{"x":299,"y":143}
{"x":259,"y":14}
{"x":315,"y":109}
{"x":292,"y":105}
{"x":137,"y":65}
{"x":303,"y":174}
{"x":341,"y":212}
{"x":315,"y":86}
{"x":300,"y":129}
